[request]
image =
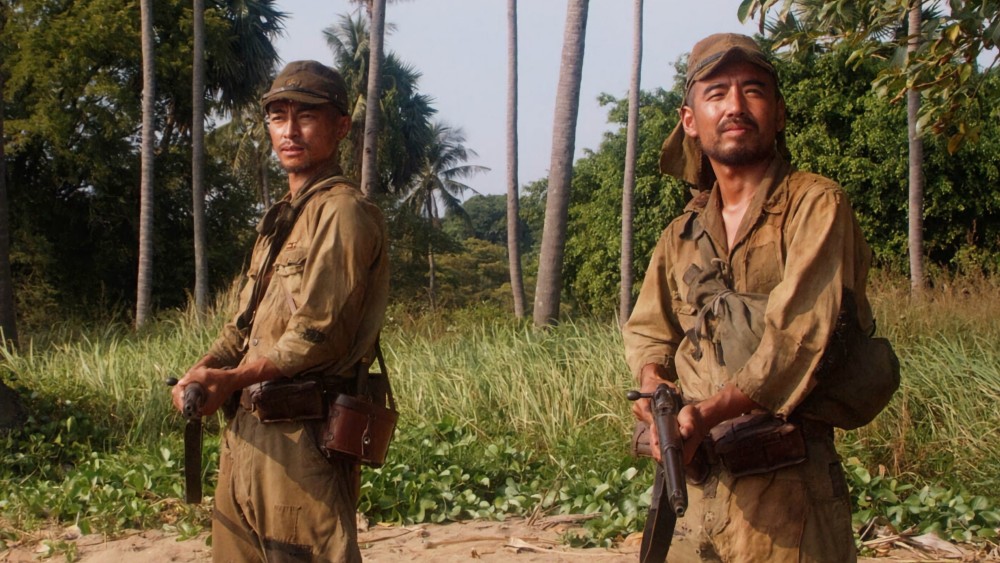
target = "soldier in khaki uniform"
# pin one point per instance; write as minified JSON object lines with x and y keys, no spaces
{"x":318,"y":314}
{"x":769,"y":230}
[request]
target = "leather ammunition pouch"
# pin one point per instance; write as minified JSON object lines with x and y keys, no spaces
{"x":359,"y":428}
{"x":356,"y":426}
{"x":284,"y":400}
{"x":758,"y":443}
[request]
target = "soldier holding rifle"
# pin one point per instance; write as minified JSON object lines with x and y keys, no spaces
{"x":310,"y":316}
{"x":743,"y":294}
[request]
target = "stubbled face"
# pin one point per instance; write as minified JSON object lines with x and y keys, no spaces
{"x":736,"y":114}
{"x":304,"y":136}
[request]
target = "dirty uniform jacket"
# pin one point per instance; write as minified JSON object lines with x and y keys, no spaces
{"x":325,"y":301}
{"x":800,"y":244}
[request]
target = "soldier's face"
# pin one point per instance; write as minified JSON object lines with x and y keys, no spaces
{"x":304,"y":136}
{"x":736,"y":114}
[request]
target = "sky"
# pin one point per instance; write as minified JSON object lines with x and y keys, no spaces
{"x":460,"y":47}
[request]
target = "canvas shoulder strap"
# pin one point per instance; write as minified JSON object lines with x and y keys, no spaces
{"x":277,"y":223}
{"x":369,"y":392}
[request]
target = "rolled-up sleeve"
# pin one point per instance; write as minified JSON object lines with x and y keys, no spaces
{"x":802,"y":310}
{"x":337,"y":275}
{"x":652,"y":333}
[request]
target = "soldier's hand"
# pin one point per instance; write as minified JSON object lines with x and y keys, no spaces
{"x":215,"y":381}
{"x":692,"y":428}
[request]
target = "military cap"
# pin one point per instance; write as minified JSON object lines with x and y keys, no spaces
{"x":681,"y":156}
{"x":715,"y":50}
{"x":308,"y":82}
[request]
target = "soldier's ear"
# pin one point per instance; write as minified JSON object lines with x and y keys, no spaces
{"x":342,"y":126}
{"x":688,"y":121}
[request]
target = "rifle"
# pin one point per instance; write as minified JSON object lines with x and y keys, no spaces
{"x":665,"y":508}
{"x":194,"y":398}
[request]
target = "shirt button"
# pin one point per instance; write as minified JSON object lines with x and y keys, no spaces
{"x":256,"y":341}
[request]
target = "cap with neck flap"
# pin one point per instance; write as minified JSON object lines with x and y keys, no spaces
{"x":681,"y":156}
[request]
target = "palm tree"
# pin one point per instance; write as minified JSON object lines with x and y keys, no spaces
{"x":810,"y":24}
{"x":348,"y":39}
{"x":405,"y":131}
{"x":916,"y":159}
{"x":369,"y":164}
{"x":144,"y":286}
{"x":513,"y":203}
{"x":239,"y":70}
{"x":550,"y":260}
{"x":11,"y":408}
{"x":243,"y":64}
{"x":631,"y":141}
{"x":8,"y":321}
{"x":198,"y":157}
{"x":437,"y":185}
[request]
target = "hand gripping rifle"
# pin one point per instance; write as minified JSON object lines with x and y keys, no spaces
{"x":670,"y":504}
{"x":194,"y":398}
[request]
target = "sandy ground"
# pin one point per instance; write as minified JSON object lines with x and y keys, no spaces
{"x":514,"y":540}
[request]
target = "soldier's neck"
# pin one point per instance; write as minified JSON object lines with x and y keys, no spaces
{"x":737,"y":186}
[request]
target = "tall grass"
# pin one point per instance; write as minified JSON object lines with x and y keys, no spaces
{"x":561,"y":392}
{"x":551,"y":388}
{"x":941,"y":425}
{"x":115,"y":375}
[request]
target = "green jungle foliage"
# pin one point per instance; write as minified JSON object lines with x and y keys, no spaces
{"x":72,"y":115}
{"x":841,"y":128}
{"x":497,"y":420}
{"x":72,"y":120}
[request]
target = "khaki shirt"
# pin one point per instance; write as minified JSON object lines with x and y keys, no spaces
{"x":800,"y":244}
{"x":325,"y":301}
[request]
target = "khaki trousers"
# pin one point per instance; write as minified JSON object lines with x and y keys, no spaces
{"x":795,"y":514}
{"x":279,"y":499}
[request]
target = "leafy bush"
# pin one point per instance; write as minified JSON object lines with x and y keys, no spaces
{"x":952,"y":513}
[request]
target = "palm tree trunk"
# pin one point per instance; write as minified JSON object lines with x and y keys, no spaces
{"x":8,"y":320}
{"x":549,"y":285}
{"x":11,"y":409}
{"x":431,"y":266}
{"x":369,"y":165}
{"x":513,"y":203}
{"x":198,"y":159}
{"x":431,"y":278}
{"x":632,"y":139}
{"x":916,"y":158}
{"x":144,"y":286}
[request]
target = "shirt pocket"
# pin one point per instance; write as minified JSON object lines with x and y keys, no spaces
{"x":288,"y":270}
{"x":764,"y":264}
